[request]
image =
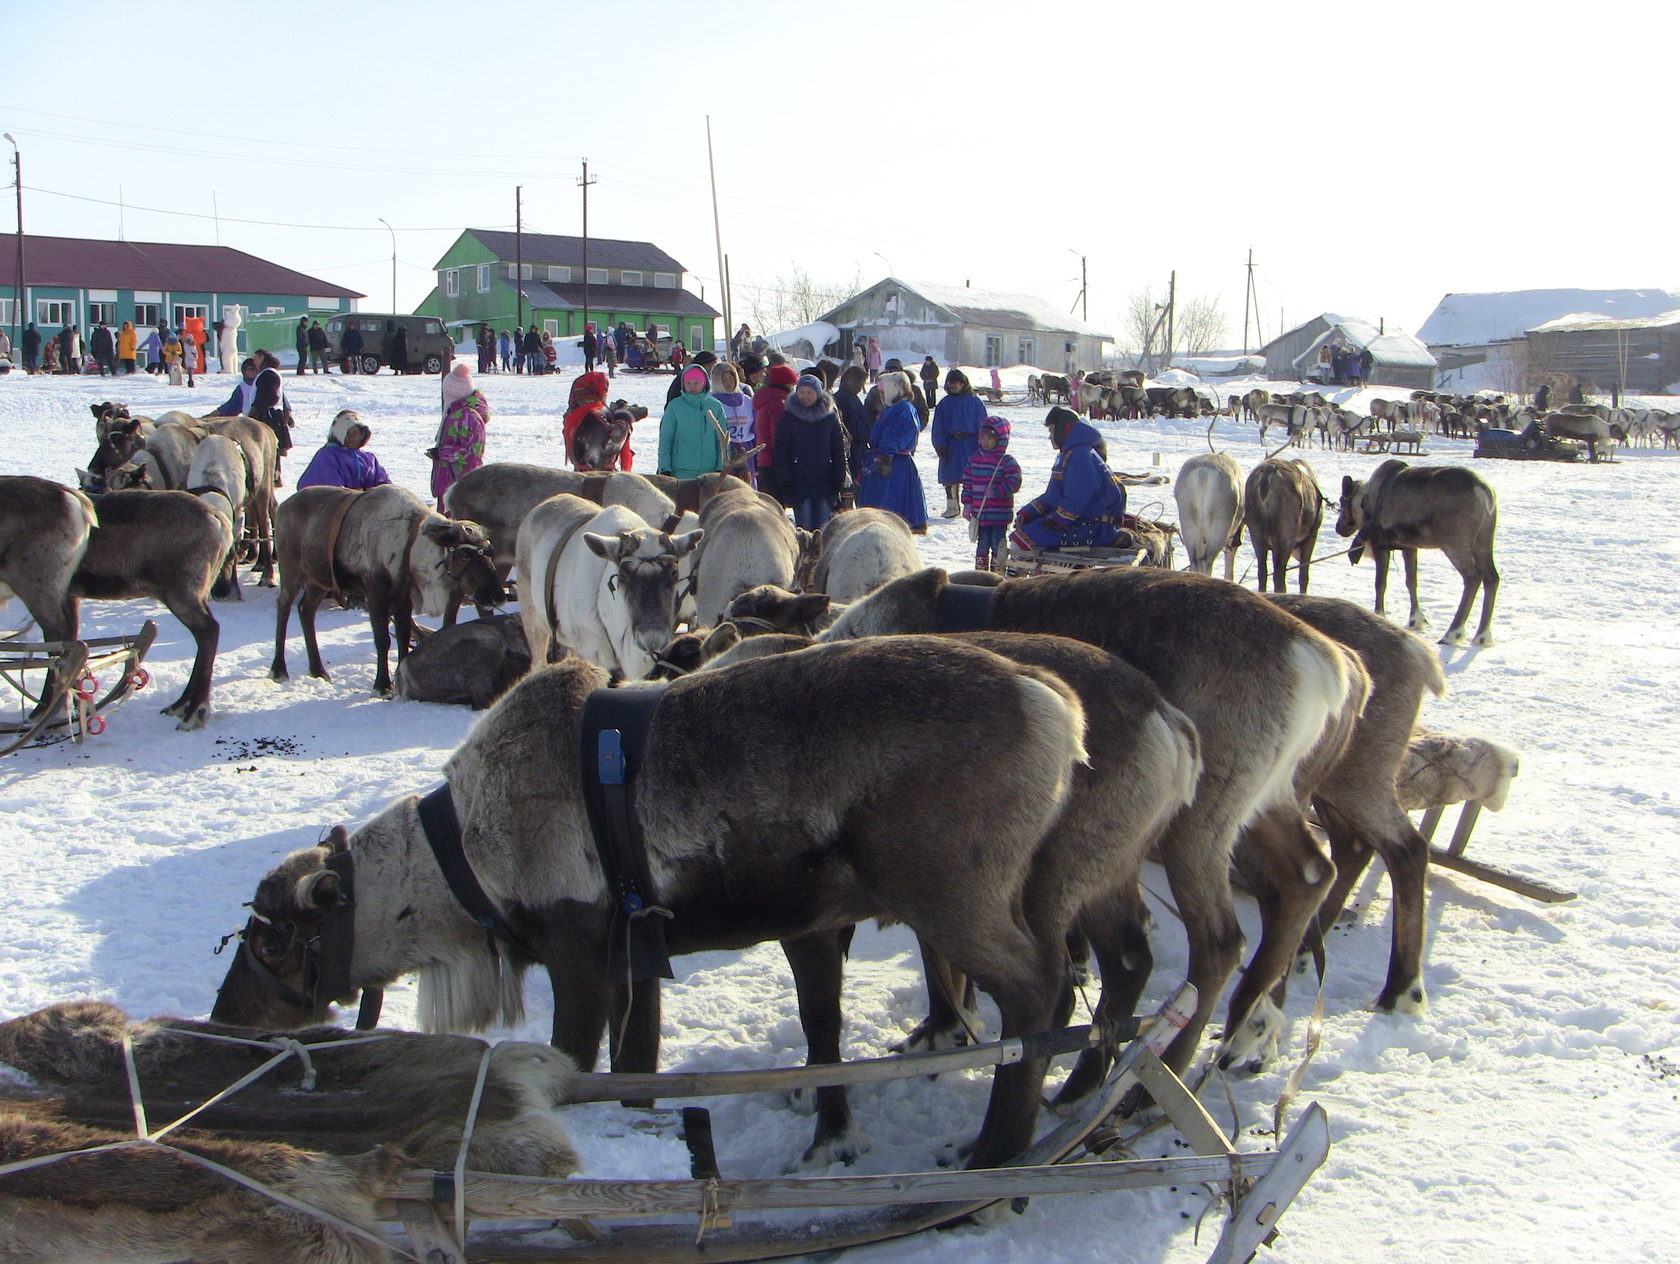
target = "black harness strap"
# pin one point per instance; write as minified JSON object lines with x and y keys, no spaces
{"x":443,"y":834}
{"x":964,"y":608}
{"x":615,"y":729}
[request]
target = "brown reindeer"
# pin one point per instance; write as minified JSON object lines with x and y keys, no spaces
{"x":1444,"y":507}
{"x":1283,"y":509}
{"x":820,"y":840}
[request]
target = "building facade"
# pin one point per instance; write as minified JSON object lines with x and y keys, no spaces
{"x":1637,"y":356}
{"x":1306,"y":352}
{"x":961,"y":325}
{"x":80,"y":281}
{"x":502,"y":279}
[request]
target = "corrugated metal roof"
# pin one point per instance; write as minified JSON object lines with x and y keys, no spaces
{"x":604,"y":252}
{"x":987,"y":307}
{"x":616,"y":298}
{"x":85,"y":263}
{"x":1395,"y":348}
{"x":1472,"y":320}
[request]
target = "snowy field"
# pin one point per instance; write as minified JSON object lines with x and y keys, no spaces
{"x":1530,"y":1114}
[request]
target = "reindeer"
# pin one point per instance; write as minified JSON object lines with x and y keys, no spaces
{"x":220,"y":475}
{"x":1284,"y":508}
{"x":601,"y":436}
{"x":1414,"y":507}
{"x":1210,"y":510}
{"x":470,"y":664}
{"x":384,"y":545}
{"x":747,"y":542}
{"x":1590,"y":428}
{"x":44,"y":532}
{"x":860,"y":550}
{"x":599,"y":581}
{"x":993,"y":883}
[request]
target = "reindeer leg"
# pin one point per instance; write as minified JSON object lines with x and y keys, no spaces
{"x":951,"y":1005}
{"x":1115,"y":923}
{"x":1028,"y":999}
{"x":312,"y":599}
{"x":193,"y":706}
{"x":379,"y":605}
{"x":1196,"y":854}
{"x":1290,"y":875}
{"x":1381,"y":556}
{"x":283,"y":604}
{"x":1419,"y":621}
{"x":817,"y":969}
{"x":1304,"y":555}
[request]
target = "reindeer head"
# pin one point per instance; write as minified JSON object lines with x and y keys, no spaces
{"x":768,"y":608}
{"x":467,"y":566}
{"x":600,"y":438}
{"x":643,"y":577}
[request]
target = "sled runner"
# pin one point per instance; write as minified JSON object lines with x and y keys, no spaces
{"x":65,"y":699}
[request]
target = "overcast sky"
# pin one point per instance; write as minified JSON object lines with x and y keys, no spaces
{"x":1374,"y":157}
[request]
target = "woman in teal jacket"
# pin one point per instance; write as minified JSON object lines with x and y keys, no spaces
{"x":694,"y":430}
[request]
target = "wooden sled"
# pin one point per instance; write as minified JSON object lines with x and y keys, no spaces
{"x":1452,"y":857}
{"x":701,"y":1221}
{"x":1152,"y":545}
{"x":66,"y":700}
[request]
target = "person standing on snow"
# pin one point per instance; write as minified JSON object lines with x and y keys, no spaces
{"x":956,"y":435}
{"x":460,"y":436}
{"x":891,"y":480}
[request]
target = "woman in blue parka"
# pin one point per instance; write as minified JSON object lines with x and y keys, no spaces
{"x":1084,"y":503}
{"x":890,"y":478}
{"x":956,"y":435}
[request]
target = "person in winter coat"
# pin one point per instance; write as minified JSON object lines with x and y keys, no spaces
{"x":127,"y":346}
{"x":702,"y":359}
{"x":930,"y":380}
{"x":872,"y":359}
{"x":738,"y":415}
{"x":589,"y":396}
{"x":460,"y":436}
{"x":693,"y":435}
{"x":343,"y":460}
{"x":173,"y":351}
{"x":531,"y":348}
{"x":317,"y":347}
{"x":104,"y":348}
{"x":238,"y":404}
{"x":504,"y":349}
{"x":550,"y":353}
{"x":768,"y":404}
{"x":956,"y":434}
{"x":873,"y":404}
{"x":351,"y":344}
{"x":1541,"y":396}
{"x":268,"y":401}
{"x":1084,"y":503}
{"x":300,"y":337}
{"x":396,"y":349}
{"x":31,"y":348}
{"x":70,"y":349}
{"x":854,"y":418}
{"x":591,"y":348}
{"x":989,"y":483}
{"x":810,"y":454}
{"x":753,"y":370}
{"x":891,"y":480}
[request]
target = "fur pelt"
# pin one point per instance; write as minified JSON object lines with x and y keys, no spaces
{"x":1445,"y":768}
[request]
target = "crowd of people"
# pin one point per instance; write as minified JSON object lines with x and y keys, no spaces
{"x":112,"y":353}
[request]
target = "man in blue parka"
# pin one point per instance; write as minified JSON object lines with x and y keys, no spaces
{"x":1084,"y":503}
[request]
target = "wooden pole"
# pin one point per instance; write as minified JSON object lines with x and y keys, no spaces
{"x":584,"y":183}
{"x":518,"y":265}
{"x":717,"y":232}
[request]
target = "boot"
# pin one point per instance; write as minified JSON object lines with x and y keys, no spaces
{"x":953,"y":507}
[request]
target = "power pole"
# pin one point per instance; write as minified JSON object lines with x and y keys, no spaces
{"x":1172,"y":308}
{"x":1084,"y":299}
{"x":1250,"y":300}
{"x":717,"y":233}
{"x":584,"y":182}
{"x":17,"y":310}
{"x":518,"y":262}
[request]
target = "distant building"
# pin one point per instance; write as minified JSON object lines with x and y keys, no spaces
{"x":1305,"y":352}
{"x":1470,"y":329}
{"x":1637,"y":355}
{"x":81,"y":281}
{"x":497,"y":278}
{"x":959,"y":325}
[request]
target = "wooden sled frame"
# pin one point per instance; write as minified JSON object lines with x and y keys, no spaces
{"x":66,"y":699}
{"x":699,"y":1214}
{"x":1452,"y":857}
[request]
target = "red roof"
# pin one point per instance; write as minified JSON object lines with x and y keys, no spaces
{"x":81,"y":263}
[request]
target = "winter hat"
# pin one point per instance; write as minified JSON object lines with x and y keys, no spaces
{"x":344,"y":430}
{"x":999,"y":427}
{"x":783,"y":376}
{"x":726,"y":378}
{"x":457,"y":383}
{"x":1060,"y":416}
{"x":894,"y":365}
{"x":751,"y":364}
{"x":811,"y":380}
{"x":694,"y":373}
{"x":588,"y":388}
{"x":893,"y":387}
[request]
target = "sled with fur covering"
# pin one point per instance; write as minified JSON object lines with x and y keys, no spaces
{"x":871,"y":1208}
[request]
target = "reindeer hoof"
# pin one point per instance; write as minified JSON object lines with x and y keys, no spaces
{"x":843,"y":1148}
{"x":193,"y":720}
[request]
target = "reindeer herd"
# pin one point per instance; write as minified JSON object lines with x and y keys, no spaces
{"x":813,"y":758}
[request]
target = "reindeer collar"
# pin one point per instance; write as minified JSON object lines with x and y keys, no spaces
{"x":443,"y":834}
{"x":963,"y":608}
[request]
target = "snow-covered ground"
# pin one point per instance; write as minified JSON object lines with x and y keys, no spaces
{"x":1530,"y":1114}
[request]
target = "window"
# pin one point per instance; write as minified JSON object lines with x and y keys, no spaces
{"x":524,"y":272}
{"x":186,"y":311}
{"x":597,"y":276}
{"x":483,"y":278}
{"x":452,"y":282}
{"x":55,"y":311}
{"x":994,"y":351}
{"x":664,"y":280}
{"x":106,"y":312}
{"x":551,"y":328}
{"x":561,"y":274}
{"x":1027,"y":351}
{"x":696,"y":338}
{"x":630,"y":278}
{"x":147,"y":313}
{"x":8,"y":315}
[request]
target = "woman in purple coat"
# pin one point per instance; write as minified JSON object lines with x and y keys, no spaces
{"x":344,"y":460}
{"x":890,"y":478}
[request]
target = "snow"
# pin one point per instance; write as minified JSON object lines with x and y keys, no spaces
{"x":1468,"y":320}
{"x":1529,"y":1114}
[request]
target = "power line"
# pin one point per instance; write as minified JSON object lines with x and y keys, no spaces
{"x":230,"y":219}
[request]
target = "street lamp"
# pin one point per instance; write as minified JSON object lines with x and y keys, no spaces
{"x":884,"y":260}
{"x":1084,"y":298}
{"x":393,"y":233}
{"x":17,"y":307}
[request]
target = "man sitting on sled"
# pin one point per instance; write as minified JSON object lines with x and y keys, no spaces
{"x":1084,"y":504}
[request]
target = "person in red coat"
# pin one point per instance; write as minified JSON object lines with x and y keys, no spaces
{"x":589,"y":395}
{"x":768,"y":403}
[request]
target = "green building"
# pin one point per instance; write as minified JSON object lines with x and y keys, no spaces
{"x":79,"y":281}
{"x":501,"y":278}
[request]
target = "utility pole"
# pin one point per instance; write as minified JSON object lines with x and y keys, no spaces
{"x":584,"y":182}
{"x":518,"y":263}
{"x":1083,"y":302}
{"x":1172,"y":308}
{"x":17,"y":310}
{"x":1250,"y":299}
{"x":717,"y":232}
{"x":393,"y":233}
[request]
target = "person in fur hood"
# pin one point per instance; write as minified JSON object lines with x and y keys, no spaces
{"x":810,"y":454}
{"x":343,"y":461}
